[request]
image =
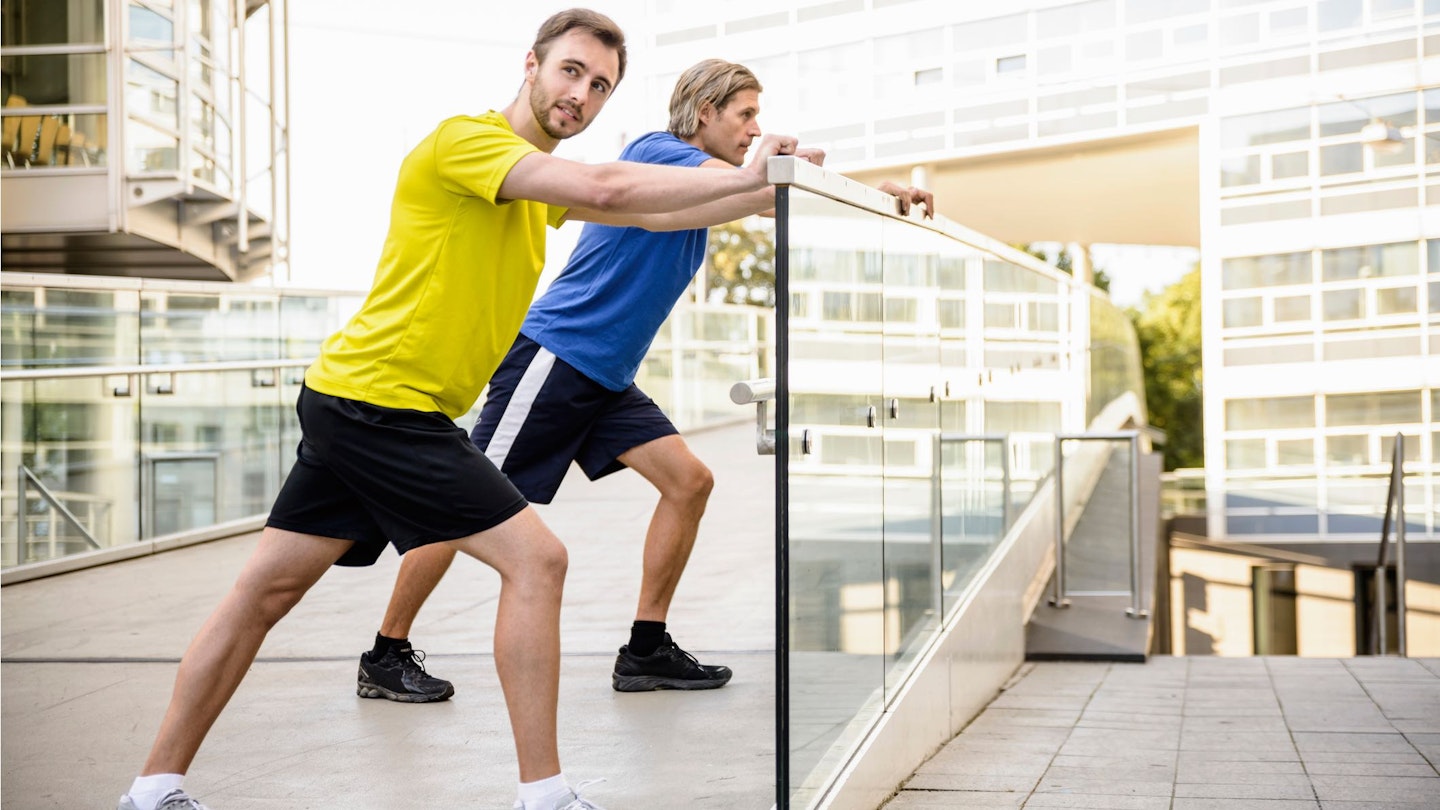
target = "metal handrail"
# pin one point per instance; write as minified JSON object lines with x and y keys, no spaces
{"x":1395,"y":497}
{"x":78,"y":372}
{"x":759,"y":392}
{"x":23,"y":476}
{"x":1058,"y":598}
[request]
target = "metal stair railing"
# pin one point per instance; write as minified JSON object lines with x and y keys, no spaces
{"x":1394,"y":498}
{"x":26,"y":479}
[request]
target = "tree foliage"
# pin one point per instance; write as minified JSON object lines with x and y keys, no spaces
{"x":1168,"y":326}
{"x":1065,"y":263}
{"x":740,"y":258}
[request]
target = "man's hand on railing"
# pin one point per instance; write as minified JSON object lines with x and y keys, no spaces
{"x":908,"y":196}
{"x":811,"y":154}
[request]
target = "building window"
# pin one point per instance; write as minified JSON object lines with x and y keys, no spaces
{"x":1292,"y":308}
{"x":1242,"y":312}
{"x":1396,"y":301}
{"x":1334,"y":15}
{"x":1370,"y":261}
{"x":1372,"y":408}
{"x":1278,"y":270}
{"x":1240,"y":170}
{"x":1272,"y":413}
{"x":1290,"y":164}
{"x":1277,"y":126}
{"x":1345,"y":158}
{"x":1010,"y":65}
{"x":929,"y":76}
{"x":1344,"y":305}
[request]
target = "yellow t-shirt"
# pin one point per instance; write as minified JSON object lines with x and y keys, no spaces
{"x":456,"y":275}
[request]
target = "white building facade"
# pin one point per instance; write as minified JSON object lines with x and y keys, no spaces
{"x":1293,"y":142}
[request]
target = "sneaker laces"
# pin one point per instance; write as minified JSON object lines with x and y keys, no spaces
{"x":582,"y":804}
{"x":410,"y":658}
{"x":669,"y":644}
{"x":178,"y":800}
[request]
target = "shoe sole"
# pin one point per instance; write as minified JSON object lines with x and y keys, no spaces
{"x":653,"y":683}
{"x":370,"y":690}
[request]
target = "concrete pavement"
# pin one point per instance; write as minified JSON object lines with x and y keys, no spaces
{"x":89,"y":659}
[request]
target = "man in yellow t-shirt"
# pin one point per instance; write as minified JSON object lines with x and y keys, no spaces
{"x":381,"y":459}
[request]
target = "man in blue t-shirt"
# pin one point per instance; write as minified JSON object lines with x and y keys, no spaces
{"x":566,"y":391}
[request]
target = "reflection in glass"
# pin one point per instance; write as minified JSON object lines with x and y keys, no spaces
{"x":911,"y":444}
{"x":52,"y":22}
{"x":59,"y":78}
{"x":836,"y":505}
{"x":152,"y":94}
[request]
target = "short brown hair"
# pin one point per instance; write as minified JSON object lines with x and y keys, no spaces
{"x":713,"y":80}
{"x":591,"y":22}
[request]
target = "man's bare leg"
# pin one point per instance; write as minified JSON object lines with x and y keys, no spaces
{"x":684,"y":483}
{"x":531,"y":562}
{"x":283,"y":567}
{"x":420,"y":571}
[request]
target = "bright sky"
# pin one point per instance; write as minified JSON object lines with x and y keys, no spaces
{"x":367,"y":83}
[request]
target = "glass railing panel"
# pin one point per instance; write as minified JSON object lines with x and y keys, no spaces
{"x":910,"y":417}
{"x":1114,"y":358}
{"x":183,"y":327}
{"x":211,"y":447}
{"x":836,"y":455}
{"x":69,"y":445}
{"x":700,"y":351}
{"x":57,"y":327}
{"x":975,"y":509}
{"x":967,"y":360}
{"x":1098,"y":481}
{"x":307,"y":320}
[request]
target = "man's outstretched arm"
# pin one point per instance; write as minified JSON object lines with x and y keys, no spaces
{"x":623,"y":187}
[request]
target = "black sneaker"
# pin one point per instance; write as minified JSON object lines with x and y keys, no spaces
{"x":400,"y":675}
{"x":668,"y":668}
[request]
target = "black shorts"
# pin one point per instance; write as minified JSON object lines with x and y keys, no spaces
{"x":376,"y":475}
{"x":541,"y":414}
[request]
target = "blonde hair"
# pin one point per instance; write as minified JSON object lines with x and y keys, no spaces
{"x":591,"y":22}
{"x":713,"y":80}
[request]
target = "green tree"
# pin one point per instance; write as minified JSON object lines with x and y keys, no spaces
{"x":740,"y":258}
{"x":1168,"y":327}
{"x":1065,"y":263}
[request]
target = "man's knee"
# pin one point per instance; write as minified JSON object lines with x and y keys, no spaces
{"x":694,"y":483}
{"x":268,"y":602}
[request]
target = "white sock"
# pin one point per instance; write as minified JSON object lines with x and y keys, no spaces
{"x":147,"y":791}
{"x":544,"y":794}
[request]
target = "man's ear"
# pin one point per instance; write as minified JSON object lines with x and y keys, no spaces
{"x":532,"y":64}
{"x":707,"y":112}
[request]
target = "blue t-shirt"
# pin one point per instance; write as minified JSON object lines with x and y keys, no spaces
{"x":603,"y":310}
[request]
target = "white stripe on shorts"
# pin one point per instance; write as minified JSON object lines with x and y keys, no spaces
{"x":517,"y":410}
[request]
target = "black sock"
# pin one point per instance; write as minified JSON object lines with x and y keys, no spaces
{"x":646,"y":637}
{"x":383,"y":644}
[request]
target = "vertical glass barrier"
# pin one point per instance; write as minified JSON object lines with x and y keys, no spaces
{"x":1097,"y":480}
{"x":208,"y":449}
{"x":178,"y":327}
{"x":69,"y":466}
{"x":700,"y":351}
{"x":910,"y":416}
{"x":975,"y":507}
{"x":56,"y":327}
{"x":835,"y":461}
{"x":93,"y":459}
{"x":923,"y":377}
